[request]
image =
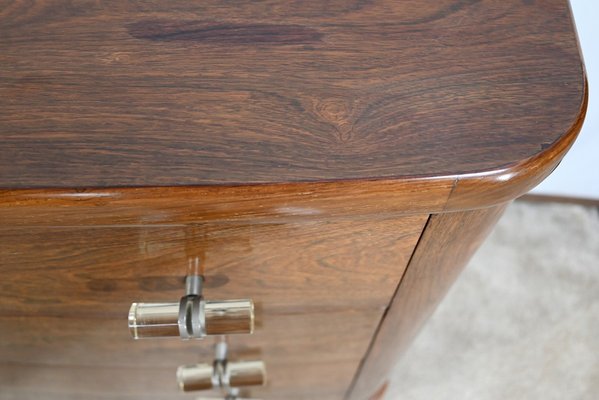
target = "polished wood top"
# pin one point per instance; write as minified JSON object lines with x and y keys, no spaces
{"x":118,"y":94}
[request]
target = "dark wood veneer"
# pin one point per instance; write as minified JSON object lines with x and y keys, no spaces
{"x":65,"y":293}
{"x":297,"y":148}
{"x":148,"y":94}
{"x":446,"y":245}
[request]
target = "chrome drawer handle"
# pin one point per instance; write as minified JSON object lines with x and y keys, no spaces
{"x":231,"y":396}
{"x":192,"y":317}
{"x":228,"y":376}
{"x":228,"y":397}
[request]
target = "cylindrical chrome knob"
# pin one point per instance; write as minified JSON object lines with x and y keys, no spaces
{"x":232,"y":394}
{"x":229,"y":317}
{"x":196,"y":377}
{"x":151,"y":320}
{"x":192,"y":317}
{"x":233,"y":374}
{"x":245,"y":373}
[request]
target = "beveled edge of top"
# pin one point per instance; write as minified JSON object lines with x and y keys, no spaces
{"x":498,"y":186}
{"x":230,"y":203}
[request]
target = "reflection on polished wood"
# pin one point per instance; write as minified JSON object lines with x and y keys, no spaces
{"x":316,"y":284}
{"x":121,"y":94}
{"x":448,"y":242}
{"x":287,"y":267}
{"x":293,"y":152}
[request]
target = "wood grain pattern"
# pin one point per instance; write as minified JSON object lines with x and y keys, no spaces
{"x":149,"y":94}
{"x":86,"y":341}
{"x":285,"y":267}
{"x":296,"y":148}
{"x":447,"y":243}
{"x":86,"y":357}
{"x":125,"y":383}
{"x":91,"y":383}
{"x":232,"y":204}
{"x":65,"y":293}
{"x":505,"y":185}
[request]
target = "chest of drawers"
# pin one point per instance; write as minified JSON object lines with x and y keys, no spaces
{"x":337,"y":163}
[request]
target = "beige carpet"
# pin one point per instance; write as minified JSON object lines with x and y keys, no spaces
{"x":522,"y":321}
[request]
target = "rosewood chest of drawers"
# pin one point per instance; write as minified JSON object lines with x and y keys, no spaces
{"x":334,"y":164}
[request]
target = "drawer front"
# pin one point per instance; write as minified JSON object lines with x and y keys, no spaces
{"x":320,"y":289}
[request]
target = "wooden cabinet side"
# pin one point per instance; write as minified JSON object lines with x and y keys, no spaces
{"x":446,"y":245}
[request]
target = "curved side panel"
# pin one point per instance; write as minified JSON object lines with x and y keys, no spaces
{"x":484,"y":190}
{"x":445,"y":247}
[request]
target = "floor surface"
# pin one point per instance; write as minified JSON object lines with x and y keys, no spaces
{"x":522,"y":321}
